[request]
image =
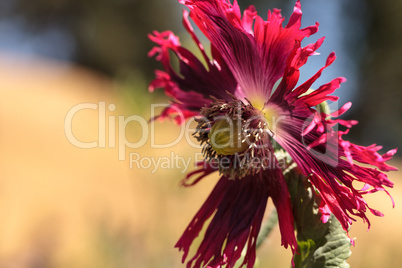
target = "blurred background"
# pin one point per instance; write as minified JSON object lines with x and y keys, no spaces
{"x":63,"y":206}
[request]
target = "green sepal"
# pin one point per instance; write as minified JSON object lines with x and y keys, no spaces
{"x":321,"y":245}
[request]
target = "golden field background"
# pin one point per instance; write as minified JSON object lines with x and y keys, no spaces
{"x":62,"y":206}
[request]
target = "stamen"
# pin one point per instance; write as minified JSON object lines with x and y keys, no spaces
{"x":236,"y":138}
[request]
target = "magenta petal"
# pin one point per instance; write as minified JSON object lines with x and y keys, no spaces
{"x":303,"y":88}
{"x":186,"y":104}
{"x":342,"y":110}
{"x":332,"y":166}
{"x":369,"y":155}
{"x":321,"y":94}
{"x":237,"y":208}
{"x":324,"y":211}
{"x":192,"y":88}
{"x":204,"y":169}
{"x":256,"y":58}
{"x":248,"y":18}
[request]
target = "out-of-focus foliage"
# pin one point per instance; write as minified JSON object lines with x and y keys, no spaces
{"x":108,"y":35}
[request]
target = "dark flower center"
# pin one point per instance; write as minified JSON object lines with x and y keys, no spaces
{"x":236,"y":138}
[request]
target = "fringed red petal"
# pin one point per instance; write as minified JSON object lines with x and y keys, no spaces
{"x":237,"y":208}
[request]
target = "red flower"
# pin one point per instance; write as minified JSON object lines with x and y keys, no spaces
{"x":250,"y":81}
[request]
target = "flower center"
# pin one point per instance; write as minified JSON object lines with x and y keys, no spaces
{"x":257,"y":102}
{"x":227,"y":137}
{"x":236,"y":137}
{"x":272,"y":116}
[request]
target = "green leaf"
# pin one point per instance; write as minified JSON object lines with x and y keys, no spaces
{"x":320,"y":245}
